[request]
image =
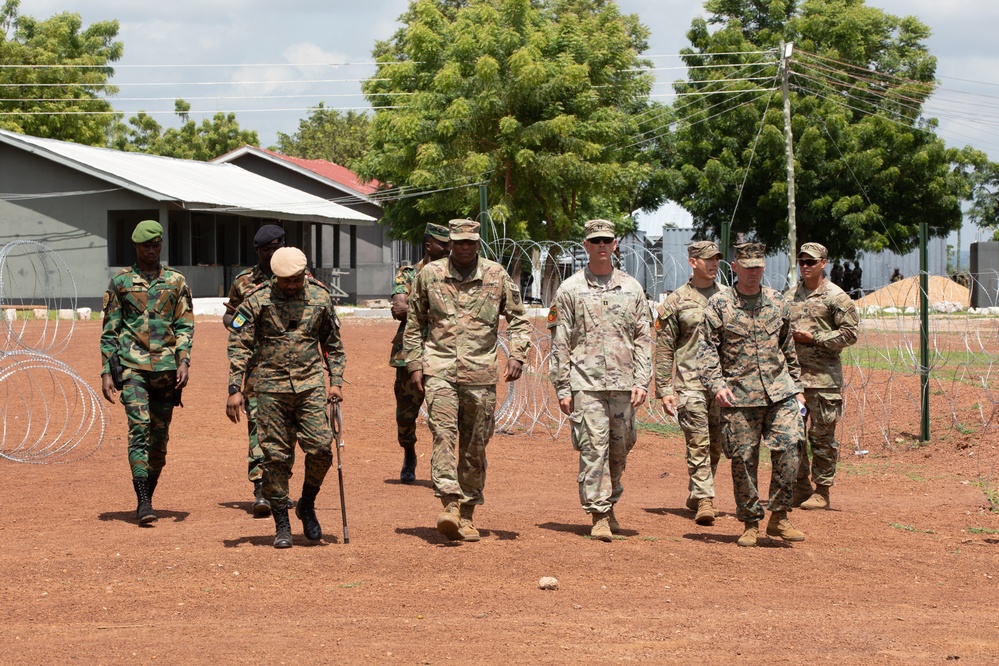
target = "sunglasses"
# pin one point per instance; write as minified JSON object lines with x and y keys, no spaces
{"x":601,"y":240}
{"x":807,"y":262}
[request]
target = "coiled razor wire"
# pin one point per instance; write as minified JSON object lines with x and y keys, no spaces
{"x":48,"y":413}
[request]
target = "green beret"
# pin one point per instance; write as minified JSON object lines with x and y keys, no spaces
{"x":146,"y":231}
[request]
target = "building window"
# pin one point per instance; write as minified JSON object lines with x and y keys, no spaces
{"x":336,"y":246}
{"x":121,"y":224}
{"x":353,"y":246}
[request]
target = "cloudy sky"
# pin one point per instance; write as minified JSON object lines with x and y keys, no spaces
{"x":269,"y":62}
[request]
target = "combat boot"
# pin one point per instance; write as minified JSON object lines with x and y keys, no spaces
{"x":154,"y":478}
{"x":780,"y":526}
{"x":819,"y":500}
{"x":748,"y":538}
{"x":306,"y":512}
{"x":282,"y":527}
{"x":408,"y":473}
{"x":144,"y":511}
{"x":692,"y":503}
{"x":601,"y":530}
{"x":449,"y":522}
{"x":465,"y":526}
{"x":705,"y":512}
{"x":802,"y":492}
{"x":261,"y":506}
{"x":615,"y":527}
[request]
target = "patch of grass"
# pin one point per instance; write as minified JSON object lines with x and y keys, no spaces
{"x":354,"y":583}
{"x":963,"y":429}
{"x":982,"y":530}
{"x":662,"y":429}
{"x":912,"y":476}
{"x":909,"y":528}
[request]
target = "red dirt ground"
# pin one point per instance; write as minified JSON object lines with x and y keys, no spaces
{"x":903,"y":570}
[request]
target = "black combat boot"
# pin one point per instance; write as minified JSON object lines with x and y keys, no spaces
{"x":154,"y":478}
{"x":408,"y":473}
{"x":144,"y":511}
{"x":306,"y":512}
{"x":282,"y":525}
{"x":261,"y":507}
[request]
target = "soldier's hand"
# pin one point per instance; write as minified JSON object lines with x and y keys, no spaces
{"x":416,"y":376}
{"x":400,"y":308}
{"x":638,"y":397}
{"x":233,"y":405}
{"x":803,"y":337}
{"x":725,"y":397}
{"x":669,"y":404}
{"x":513,"y":370}
{"x":334,"y":394}
{"x":183,"y":374}
{"x":565,"y":405}
{"x":108,"y":389}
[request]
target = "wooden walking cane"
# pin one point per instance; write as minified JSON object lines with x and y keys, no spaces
{"x":336,"y":424}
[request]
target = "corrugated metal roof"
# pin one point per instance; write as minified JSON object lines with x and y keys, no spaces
{"x":200,"y":186}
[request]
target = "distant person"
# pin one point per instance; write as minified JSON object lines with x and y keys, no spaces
{"x":836,"y":275}
{"x":896,"y":275}
{"x":857,"y":281}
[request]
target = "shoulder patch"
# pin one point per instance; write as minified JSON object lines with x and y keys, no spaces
{"x":238,"y":321}
{"x":553,"y":315}
{"x":318,"y":283}
{"x":107,"y":299}
{"x":659,"y":323}
{"x":257,"y":287}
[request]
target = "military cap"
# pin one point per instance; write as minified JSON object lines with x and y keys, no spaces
{"x":463,"y":230}
{"x":814,"y":250}
{"x":439,"y":232}
{"x":267,"y":234}
{"x":751,"y":255}
{"x":288,"y":262}
{"x":599,"y":229}
{"x":703,"y":250}
{"x":146,"y":231}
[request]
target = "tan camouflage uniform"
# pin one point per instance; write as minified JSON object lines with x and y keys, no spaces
{"x":601,"y":350}
{"x":677,"y":323}
{"x":831,"y":316}
{"x":451,"y":335}
{"x":293,"y":340}
{"x":752,"y":353}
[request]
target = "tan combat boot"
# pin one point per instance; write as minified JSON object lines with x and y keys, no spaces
{"x":819,"y":500}
{"x":615,"y":527}
{"x":601,"y":530}
{"x":705,"y":512}
{"x":448,"y":522}
{"x":692,"y":503}
{"x":748,"y":538}
{"x":802,"y":491}
{"x":465,"y":526}
{"x":780,"y":526}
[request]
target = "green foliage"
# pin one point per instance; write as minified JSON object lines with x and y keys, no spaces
{"x":190,"y":141}
{"x":328,"y":135}
{"x":540,"y":99}
{"x":868,"y":168}
{"x":909,"y":528}
{"x":60,"y":78}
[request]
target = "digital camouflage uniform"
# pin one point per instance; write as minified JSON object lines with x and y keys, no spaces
{"x":601,"y":350}
{"x":150,"y":325}
{"x":407,"y":398}
{"x":451,"y":335}
{"x":830,"y":315}
{"x":677,"y":323}
{"x":752,"y":353}
{"x":245,"y":282}
{"x":292,"y":340}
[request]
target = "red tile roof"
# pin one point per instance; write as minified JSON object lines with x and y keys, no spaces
{"x":330,"y":171}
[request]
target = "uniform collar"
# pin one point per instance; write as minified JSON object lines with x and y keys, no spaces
{"x":454,"y":274}
{"x":594,"y":281}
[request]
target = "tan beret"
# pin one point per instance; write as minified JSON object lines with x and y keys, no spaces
{"x":288,"y":262}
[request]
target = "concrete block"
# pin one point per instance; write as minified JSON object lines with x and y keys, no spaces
{"x":40,"y":313}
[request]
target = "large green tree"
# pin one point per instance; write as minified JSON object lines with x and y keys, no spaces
{"x":540,"y":99}
{"x":53,"y":82}
{"x":221,"y":134}
{"x":327,"y":134}
{"x":868,"y":166}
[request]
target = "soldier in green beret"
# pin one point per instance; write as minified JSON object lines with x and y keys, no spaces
{"x":147,"y":338}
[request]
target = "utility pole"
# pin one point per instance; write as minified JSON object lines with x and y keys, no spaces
{"x":792,"y":240}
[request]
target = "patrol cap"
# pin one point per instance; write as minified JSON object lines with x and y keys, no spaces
{"x":463,"y":230}
{"x":814,"y":250}
{"x":704,"y":249}
{"x":751,"y":255}
{"x":267,"y":234}
{"x":146,"y":231}
{"x":288,"y":262}
{"x":439,"y":232}
{"x":599,"y":229}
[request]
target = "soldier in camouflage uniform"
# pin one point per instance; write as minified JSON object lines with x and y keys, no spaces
{"x":746,"y":359}
{"x":601,"y":367}
{"x":268,"y":238}
{"x":149,"y":330}
{"x":288,"y":326}
{"x":436,"y":245}
{"x":450,"y":343}
{"x":824,"y":320}
{"x":677,"y":322}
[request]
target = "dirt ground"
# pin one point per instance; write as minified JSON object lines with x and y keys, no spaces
{"x":902,"y":570}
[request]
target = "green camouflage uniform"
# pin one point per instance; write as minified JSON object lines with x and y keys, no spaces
{"x":831,"y":316}
{"x":243,"y":284}
{"x":451,"y":335}
{"x":150,"y":326}
{"x":292,"y":340}
{"x":601,"y":350}
{"x":752,"y":353}
{"x":677,"y":322}
{"x":407,"y":398}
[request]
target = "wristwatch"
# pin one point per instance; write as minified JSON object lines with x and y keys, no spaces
{"x":233,"y":389}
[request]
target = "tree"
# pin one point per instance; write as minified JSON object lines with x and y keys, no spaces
{"x":984,"y":210}
{"x":328,"y":135}
{"x":190,"y":141}
{"x":539,"y":99}
{"x":54,"y":80}
{"x":868,"y":167}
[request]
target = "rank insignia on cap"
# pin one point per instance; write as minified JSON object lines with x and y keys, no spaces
{"x":238,"y":321}
{"x":553,"y":315}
